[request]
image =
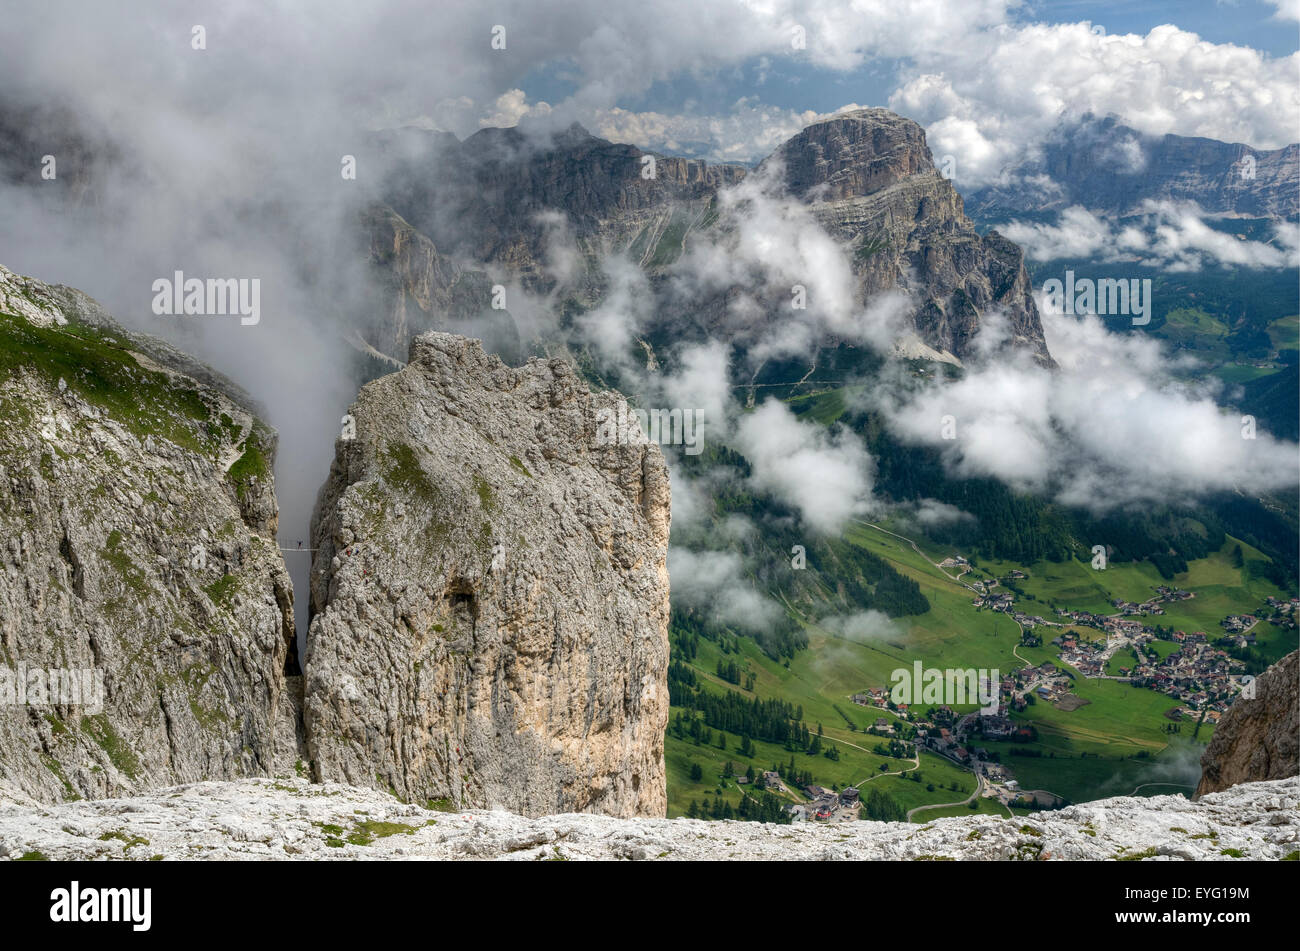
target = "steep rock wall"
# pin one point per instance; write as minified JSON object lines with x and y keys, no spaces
{"x":137,"y":543}
{"x":490,"y":593}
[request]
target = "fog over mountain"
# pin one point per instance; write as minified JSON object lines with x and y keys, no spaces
{"x":822,"y":247}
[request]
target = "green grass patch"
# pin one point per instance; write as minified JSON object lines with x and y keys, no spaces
{"x":102,"y":370}
{"x":404,"y":470}
{"x":119,"y":751}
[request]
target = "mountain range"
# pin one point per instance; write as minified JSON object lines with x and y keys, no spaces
{"x":490,"y":620}
{"x":1107,"y":166}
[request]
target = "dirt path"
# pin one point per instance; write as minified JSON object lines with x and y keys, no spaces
{"x":1175,"y":785}
{"x":979,"y":788}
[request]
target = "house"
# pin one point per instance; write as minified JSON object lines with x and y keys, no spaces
{"x":772,"y":779}
{"x":997,"y":726}
{"x":848,"y":795}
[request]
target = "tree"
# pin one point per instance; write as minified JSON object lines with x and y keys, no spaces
{"x":882,"y":807}
{"x":696,"y":773}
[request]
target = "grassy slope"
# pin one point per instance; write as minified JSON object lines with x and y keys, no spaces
{"x":1113,"y":743}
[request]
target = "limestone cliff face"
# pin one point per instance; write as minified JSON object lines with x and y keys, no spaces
{"x":498,"y":202}
{"x":500,"y":198}
{"x":494,"y":197}
{"x":1257,"y":738}
{"x":422,"y":289}
{"x":137,"y":518}
{"x":490,"y":594}
{"x":872,"y":182}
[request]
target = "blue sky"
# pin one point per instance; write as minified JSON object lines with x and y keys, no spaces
{"x":792,"y":84}
{"x":1245,"y":23}
{"x":986,"y":79}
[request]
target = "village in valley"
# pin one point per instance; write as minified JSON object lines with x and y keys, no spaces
{"x":1195,"y":669}
{"x":1146,"y":644}
{"x":1192,"y":667}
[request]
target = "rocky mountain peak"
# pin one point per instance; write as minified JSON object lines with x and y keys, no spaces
{"x":490,"y":592}
{"x":867,"y":174}
{"x":853,"y":154}
{"x":1107,"y":166}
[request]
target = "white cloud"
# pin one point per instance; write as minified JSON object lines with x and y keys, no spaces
{"x":1169,"y":235}
{"x":991,"y":98}
{"x":715,"y":583}
{"x":931,"y":513}
{"x":1285,"y":9}
{"x":1111,"y":428}
{"x":863,"y":627}
{"x":512,"y":106}
{"x":751,"y":130}
{"x":825,"y":474}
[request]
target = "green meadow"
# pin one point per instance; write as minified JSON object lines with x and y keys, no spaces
{"x":1115,"y":742}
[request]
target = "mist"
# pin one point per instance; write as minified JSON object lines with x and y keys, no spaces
{"x":225,"y":158}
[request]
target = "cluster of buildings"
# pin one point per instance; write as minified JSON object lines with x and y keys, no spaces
{"x":825,"y":804}
{"x":1203,"y":677}
{"x":1087,"y":657}
{"x":945,"y":741}
{"x":1124,"y":622}
{"x":1238,"y":623}
{"x":1164,"y":594}
{"x":1005,"y":603}
{"x":1283,"y":613}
